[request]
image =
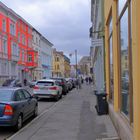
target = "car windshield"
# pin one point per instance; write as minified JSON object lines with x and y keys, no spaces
{"x":5,"y":95}
{"x":45,"y":83}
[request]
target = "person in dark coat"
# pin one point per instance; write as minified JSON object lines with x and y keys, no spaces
{"x":25,"y":82}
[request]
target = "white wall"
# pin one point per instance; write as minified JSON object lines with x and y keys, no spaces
{"x":46,"y":58}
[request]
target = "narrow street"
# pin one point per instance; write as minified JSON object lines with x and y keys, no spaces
{"x":72,"y":118}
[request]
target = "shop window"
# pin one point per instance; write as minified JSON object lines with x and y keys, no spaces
{"x":111,"y":95}
{"x":126,"y":89}
{"x":124,"y":71}
{"x":121,"y":4}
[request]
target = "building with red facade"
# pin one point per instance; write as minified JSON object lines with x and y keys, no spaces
{"x":17,"y":57}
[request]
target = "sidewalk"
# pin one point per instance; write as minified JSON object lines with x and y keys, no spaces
{"x":72,"y":118}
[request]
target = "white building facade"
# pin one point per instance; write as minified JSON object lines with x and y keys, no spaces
{"x":97,"y":43}
{"x":46,"y":57}
{"x":36,"y":43}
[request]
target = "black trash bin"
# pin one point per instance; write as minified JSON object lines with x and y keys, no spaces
{"x":102,"y":104}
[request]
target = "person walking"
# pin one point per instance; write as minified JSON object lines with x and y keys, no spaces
{"x":87,"y":80}
{"x":25,"y":82}
{"x":79,"y":82}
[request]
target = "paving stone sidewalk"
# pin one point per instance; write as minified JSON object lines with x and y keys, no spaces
{"x":72,"y":118}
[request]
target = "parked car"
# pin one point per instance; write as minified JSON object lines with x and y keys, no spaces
{"x":16,"y":106}
{"x":63,"y":84}
{"x":31,"y":83}
{"x":47,"y":88}
{"x":12,"y":83}
{"x":69,"y":84}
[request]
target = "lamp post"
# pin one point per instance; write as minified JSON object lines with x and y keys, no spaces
{"x":76,"y":61}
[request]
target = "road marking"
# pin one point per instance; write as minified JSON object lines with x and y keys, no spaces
{"x":25,"y":127}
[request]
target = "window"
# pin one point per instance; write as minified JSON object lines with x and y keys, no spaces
{"x":13,"y":68}
{"x":57,"y":59}
{"x":26,"y":94}
{"x":29,"y":43}
{"x":45,"y":83}
{"x":23,"y":39}
{"x":23,"y":55}
{"x":121,"y":4}
{"x":124,"y":72}
{"x":4,"y":68}
{"x":4,"y":25}
{"x":36,"y":40}
{"x":126,"y":90}
{"x":110,"y":41}
{"x":4,"y":45}
{"x":29,"y":30}
{"x":15,"y":49}
{"x":12,"y":29}
{"x":19,"y":95}
{"x":19,"y":37}
{"x":29,"y":58}
{"x":125,"y":57}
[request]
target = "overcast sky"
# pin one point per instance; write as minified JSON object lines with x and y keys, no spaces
{"x":65,"y":23}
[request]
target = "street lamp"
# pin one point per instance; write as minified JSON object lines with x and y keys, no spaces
{"x":76,"y":61}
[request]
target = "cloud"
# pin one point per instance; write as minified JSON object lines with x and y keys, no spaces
{"x":63,"y":22}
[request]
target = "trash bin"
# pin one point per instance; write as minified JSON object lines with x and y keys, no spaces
{"x":102,"y":104}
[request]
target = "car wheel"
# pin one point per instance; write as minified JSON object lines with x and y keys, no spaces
{"x":60,"y":96}
{"x":57,"y":98}
{"x":35,"y":111}
{"x":19,"y":123}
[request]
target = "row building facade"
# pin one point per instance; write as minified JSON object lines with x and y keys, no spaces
{"x":61,"y":64}
{"x":122,"y":64}
{"x":20,"y":47}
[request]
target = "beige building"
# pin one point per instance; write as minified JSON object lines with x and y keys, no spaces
{"x":84,"y":66}
{"x":58,"y":64}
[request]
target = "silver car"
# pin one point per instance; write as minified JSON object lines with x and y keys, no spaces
{"x":47,"y":88}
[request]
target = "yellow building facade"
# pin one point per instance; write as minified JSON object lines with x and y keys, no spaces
{"x":58,"y":64}
{"x":122,"y":65}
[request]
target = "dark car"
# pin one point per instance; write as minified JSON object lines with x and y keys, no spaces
{"x":63,"y":84}
{"x":16,"y":106}
{"x":12,"y":83}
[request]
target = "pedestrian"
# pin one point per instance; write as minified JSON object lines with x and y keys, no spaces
{"x":87,"y":80}
{"x":90,"y":80}
{"x":25,"y":82}
{"x":79,"y":81}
